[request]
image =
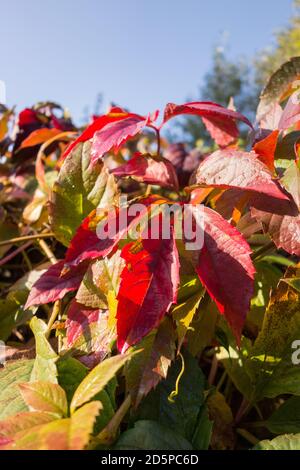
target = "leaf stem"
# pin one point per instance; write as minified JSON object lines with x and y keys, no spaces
{"x":26,"y":238}
{"x":213,"y":370}
{"x":256,"y":424}
{"x":243,"y":409}
{"x":14,"y":253}
{"x":108,"y":435}
{"x":158,"y":141}
{"x":48,"y":252}
{"x":221,"y":381}
{"x":54,"y":314}
{"x":262,"y":250}
{"x":247,"y":435}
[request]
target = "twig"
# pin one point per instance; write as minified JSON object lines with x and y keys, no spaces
{"x":247,"y":435}
{"x":14,"y":253}
{"x":261,"y":251}
{"x":27,"y":260}
{"x":221,"y":381}
{"x":213,"y":370}
{"x":255,"y":424}
{"x":48,"y":252}
{"x":26,"y":238}
{"x":108,"y":434}
{"x":243,"y":409}
{"x":53,"y":316}
{"x":18,"y":335}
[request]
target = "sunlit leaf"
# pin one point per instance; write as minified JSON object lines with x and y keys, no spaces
{"x":45,"y":396}
{"x":97,"y":379}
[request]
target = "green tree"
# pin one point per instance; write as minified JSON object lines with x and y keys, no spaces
{"x":286,"y":45}
{"x":229,"y":78}
{"x":225,"y":80}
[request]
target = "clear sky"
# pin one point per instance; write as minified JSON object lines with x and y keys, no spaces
{"x":138,"y":53}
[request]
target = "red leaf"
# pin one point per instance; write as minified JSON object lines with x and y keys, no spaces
{"x":237,"y":169}
{"x":216,"y":130}
{"x":149,"y":170}
{"x":53,"y":285}
{"x":28,"y":117}
{"x":96,"y":125}
{"x":226,"y":270}
{"x":115,"y":134}
{"x":87,"y":245}
{"x":88,"y":332}
{"x":79,"y":317}
{"x":265,"y":149}
{"x":284,"y":229}
{"x":148,"y":287}
{"x":219,"y":121}
{"x":39,"y":136}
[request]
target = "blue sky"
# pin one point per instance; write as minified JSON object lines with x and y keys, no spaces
{"x":138,"y":53}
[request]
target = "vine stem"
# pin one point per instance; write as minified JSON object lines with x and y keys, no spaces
{"x":213,"y":370}
{"x":48,"y":252}
{"x":14,"y":253}
{"x":108,"y":434}
{"x":158,"y":141}
{"x":26,"y":238}
{"x":243,"y":409}
{"x":54,"y":314}
{"x":247,"y":435}
{"x":221,"y":381}
{"x":262,"y":250}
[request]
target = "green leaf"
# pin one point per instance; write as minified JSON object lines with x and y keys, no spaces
{"x":291,"y":182}
{"x":183,"y":313}
{"x":150,"y":435}
{"x":7,"y":230}
{"x":108,"y":409}
{"x":11,"y":375}
{"x":270,"y":359}
{"x":183,"y":413}
{"x":62,"y":434}
{"x":286,"y":146}
{"x":286,"y":419}
{"x":44,"y":368}
{"x":266,"y":278}
{"x":203,"y":430}
{"x":202,"y":327}
{"x":79,"y":189}
{"x":101,"y":277}
{"x":12,"y":313}
{"x":279,"y":259}
{"x":234,"y":361}
{"x":22,"y":421}
{"x":278,"y":85}
{"x":97,"y":379}
{"x":90,"y":337}
{"x":45,"y":396}
{"x":223,"y":436}
{"x":82,"y":424}
{"x":284,"y":442}
{"x":146,"y":369}
{"x":294,"y":282}
{"x":70,"y":373}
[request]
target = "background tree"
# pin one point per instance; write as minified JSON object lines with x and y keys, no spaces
{"x":235,"y":79}
{"x":287,"y":44}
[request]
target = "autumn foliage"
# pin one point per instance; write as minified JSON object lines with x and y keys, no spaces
{"x":130,"y":341}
